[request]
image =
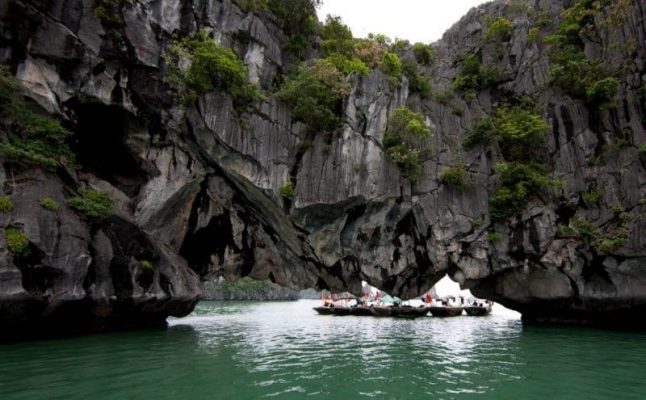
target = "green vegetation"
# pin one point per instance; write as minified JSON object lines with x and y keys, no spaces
{"x":641,"y":150}
{"x":493,"y":237}
{"x":400,"y":46}
{"x":592,"y":197}
{"x":32,"y":138}
{"x":315,"y":93}
{"x":544,"y":19}
{"x":297,"y":18}
{"x":532,"y":35}
{"x":603,"y":242}
{"x":147,"y":265}
{"x":444,"y":97}
{"x":6,"y":205}
{"x":519,"y":132}
{"x":213,"y":67}
{"x":247,"y":289}
{"x":338,"y":46}
{"x":417,"y":83}
{"x":405,"y":129}
{"x":49,"y":203}
{"x":93,"y":205}
{"x":610,"y":149}
{"x":347,"y":65}
{"x":474,"y":76}
{"x":17,"y":241}
{"x":600,"y":93}
{"x":391,"y":65}
{"x":481,"y":134}
{"x":369,"y":51}
{"x":519,"y":181}
{"x":454,"y":176}
{"x":570,"y":68}
{"x":423,"y":53}
{"x":253,"y":6}
{"x":499,"y":30}
{"x":336,"y":37}
{"x":109,"y":12}
{"x":287,"y":191}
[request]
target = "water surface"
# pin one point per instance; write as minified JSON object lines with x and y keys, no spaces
{"x":286,"y":351}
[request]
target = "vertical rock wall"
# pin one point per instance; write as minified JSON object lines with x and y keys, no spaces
{"x":202,"y":183}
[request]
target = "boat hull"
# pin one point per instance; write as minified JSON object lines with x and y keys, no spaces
{"x":324,"y":310}
{"x":342,"y":311}
{"x":446,"y":311}
{"x":382,"y":311}
{"x":409,"y":312}
{"x":477,"y":311}
{"x":361,"y":311}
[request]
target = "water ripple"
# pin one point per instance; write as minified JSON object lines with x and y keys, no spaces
{"x":286,"y":351}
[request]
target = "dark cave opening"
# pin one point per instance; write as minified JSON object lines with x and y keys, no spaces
{"x":211,"y":240}
{"x":102,"y":146}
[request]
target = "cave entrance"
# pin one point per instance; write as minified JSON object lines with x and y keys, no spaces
{"x":106,"y":144}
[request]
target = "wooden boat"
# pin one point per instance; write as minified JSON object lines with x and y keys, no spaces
{"x":342,"y":311}
{"x":361,"y":311}
{"x":446,"y":311}
{"x":409,"y":312}
{"x":322,"y":310}
{"x":382,"y":311}
{"x":478,"y":311}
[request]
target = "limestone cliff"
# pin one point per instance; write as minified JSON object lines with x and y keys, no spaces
{"x":198,"y":185}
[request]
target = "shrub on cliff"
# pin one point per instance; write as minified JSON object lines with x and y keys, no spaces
{"x":48,"y":203}
{"x":93,"y":205}
{"x":315,"y":93}
{"x":32,"y":138}
{"x":348,"y":65}
{"x":111,"y":16}
{"x":417,"y":82}
{"x":252,"y":5}
{"x":369,"y":51}
{"x":454,"y":177}
{"x":6,"y":205}
{"x":338,"y":46}
{"x":391,"y":65}
{"x":570,"y":68}
{"x":499,"y":30}
{"x":287,"y":191}
{"x":518,"y":130}
{"x":474,"y":76}
{"x":336,"y":37}
{"x":297,"y":18}
{"x":423,"y":53}
{"x":402,"y":141}
{"x":147,"y":265}
{"x":212,"y":67}
{"x":17,"y":241}
{"x":519,"y":181}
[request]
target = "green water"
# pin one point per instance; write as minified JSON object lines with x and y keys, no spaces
{"x":286,"y":351}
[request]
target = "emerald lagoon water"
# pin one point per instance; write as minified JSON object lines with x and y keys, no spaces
{"x":286,"y":351}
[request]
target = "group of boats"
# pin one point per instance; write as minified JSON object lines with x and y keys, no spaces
{"x":437,"y":308}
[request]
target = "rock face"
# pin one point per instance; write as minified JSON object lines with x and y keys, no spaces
{"x":199,"y":187}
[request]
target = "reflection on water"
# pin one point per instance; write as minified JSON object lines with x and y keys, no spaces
{"x":286,"y":351}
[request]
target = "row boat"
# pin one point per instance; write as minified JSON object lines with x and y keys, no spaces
{"x":478,"y":311}
{"x":445,"y":311}
{"x":404,"y":311}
